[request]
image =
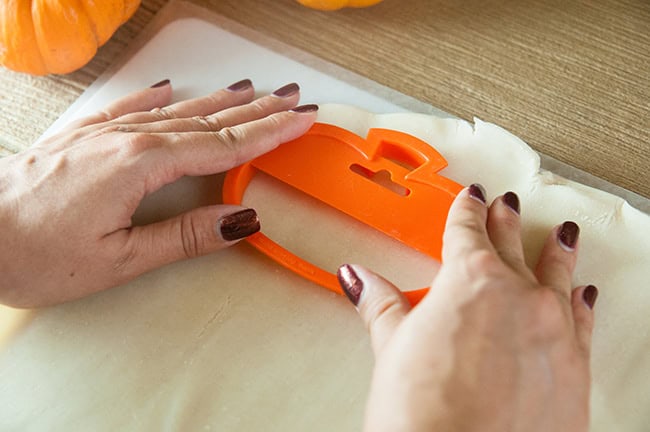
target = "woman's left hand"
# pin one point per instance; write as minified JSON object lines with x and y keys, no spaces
{"x":66,"y":204}
{"x":494,"y":345}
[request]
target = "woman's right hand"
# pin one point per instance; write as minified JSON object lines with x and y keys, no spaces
{"x":493,"y":346}
{"x":67,"y":203}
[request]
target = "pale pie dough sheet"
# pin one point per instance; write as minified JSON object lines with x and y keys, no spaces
{"x":232,"y":341}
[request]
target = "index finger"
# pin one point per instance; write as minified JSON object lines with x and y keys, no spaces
{"x":466,"y":229}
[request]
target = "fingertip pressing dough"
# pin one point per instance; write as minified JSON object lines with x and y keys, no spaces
{"x":232,"y":341}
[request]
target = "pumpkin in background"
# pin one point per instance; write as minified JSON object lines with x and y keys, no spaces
{"x":337,"y":4}
{"x":47,"y":36}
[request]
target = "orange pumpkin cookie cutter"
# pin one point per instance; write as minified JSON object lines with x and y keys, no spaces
{"x":340,"y":169}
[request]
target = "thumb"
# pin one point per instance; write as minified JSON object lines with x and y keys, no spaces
{"x":191,"y":234}
{"x":381,"y":304}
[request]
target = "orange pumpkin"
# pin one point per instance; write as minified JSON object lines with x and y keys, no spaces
{"x":328,"y":5}
{"x":47,"y":36}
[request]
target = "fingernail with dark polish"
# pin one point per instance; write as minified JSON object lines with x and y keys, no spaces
{"x":305,"y":108}
{"x":568,"y":235}
{"x":589,"y":295}
{"x":286,"y":91}
{"x":240,"y":85}
{"x":512,"y":200}
{"x":350,"y":282}
{"x":238,"y":225}
{"x":162,"y":83}
{"x":477,"y":192}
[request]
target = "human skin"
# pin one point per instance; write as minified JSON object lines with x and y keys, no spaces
{"x":493,"y":346}
{"x":66,"y":203}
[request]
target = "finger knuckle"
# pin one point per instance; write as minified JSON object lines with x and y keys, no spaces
{"x":463,"y":227}
{"x":507,"y":220}
{"x":163,"y":114}
{"x":136,"y":144}
{"x":275,"y":121}
{"x":217,"y":99}
{"x":206,"y":124}
{"x":260,"y":107}
{"x":511,"y":255}
{"x":192,"y":241}
{"x":487,"y":274}
{"x":377,"y":308}
{"x":231,"y":139}
{"x":123,"y":264}
{"x":104,"y":116}
{"x":556,"y":259}
{"x":216,"y":123}
{"x":547,"y":321}
{"x":108,"y":129}
{"x":481,"y":262}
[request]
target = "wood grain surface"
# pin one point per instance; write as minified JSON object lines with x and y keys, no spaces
{"x":572,"y":78}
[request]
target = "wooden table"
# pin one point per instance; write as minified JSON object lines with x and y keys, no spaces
{"x":572,"y":78}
